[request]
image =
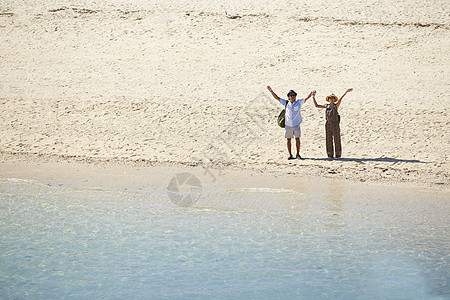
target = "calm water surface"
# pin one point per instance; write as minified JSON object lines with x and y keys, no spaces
{"x":58,"y":242}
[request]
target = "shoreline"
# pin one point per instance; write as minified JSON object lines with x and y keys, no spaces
{"x":116,"y":173}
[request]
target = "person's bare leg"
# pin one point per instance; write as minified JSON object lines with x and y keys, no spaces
{"x":289,"y":146}
{"x":297,"y":144}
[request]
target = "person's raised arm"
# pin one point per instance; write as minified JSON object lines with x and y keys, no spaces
{"x":273,"y":93}
{"x":339,"y":101}
{"x":309,"y":96}
{"x":315,"y":102}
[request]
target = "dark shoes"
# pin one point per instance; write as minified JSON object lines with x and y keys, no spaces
{"x":297,"y":157}
{"x":333,"y":158}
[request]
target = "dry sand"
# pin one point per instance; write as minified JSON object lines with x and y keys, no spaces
{"x":176,"y":83}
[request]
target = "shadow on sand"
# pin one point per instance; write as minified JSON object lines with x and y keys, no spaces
{"x":380,"y":159}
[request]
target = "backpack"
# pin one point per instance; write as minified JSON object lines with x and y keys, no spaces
{"x":281,"y":116}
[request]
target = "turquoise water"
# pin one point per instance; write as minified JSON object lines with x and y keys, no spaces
{"x":58,"y":242}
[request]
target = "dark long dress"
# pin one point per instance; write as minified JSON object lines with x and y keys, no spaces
{"x":333,"y":131}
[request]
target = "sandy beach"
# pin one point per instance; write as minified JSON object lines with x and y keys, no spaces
{"x":181,"y":84}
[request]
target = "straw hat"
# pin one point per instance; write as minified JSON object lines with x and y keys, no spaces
{"x":331,"y":96}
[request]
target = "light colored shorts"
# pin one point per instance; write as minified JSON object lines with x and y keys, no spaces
{"x":291,"y":132}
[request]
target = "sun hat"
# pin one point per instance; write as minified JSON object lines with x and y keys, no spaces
{"x":331,"y":96}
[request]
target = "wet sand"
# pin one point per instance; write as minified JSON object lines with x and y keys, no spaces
{"x":320,"y":192}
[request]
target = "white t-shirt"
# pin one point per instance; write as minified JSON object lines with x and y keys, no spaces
{"x":293,"y":114}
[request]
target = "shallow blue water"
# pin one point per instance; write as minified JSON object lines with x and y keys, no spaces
{"x":58,"y":242}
